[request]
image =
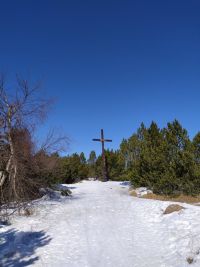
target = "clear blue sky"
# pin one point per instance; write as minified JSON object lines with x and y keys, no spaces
{"x":110,"y":64}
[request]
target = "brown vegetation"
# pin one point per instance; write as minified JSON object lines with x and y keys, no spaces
{"x":133,"y":193}
{"x":22,"y":168}
{"x":180,"y":198}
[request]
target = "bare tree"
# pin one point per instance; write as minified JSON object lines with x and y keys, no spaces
{"x":54,"y":142}
{"x":47,"y":159}
{"x":20,"y":111}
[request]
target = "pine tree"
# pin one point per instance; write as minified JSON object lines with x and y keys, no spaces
{"x":91,"y":164}
{"x":92,"y":158}
{"x":82,"y":158}
{"x":196,"y":144}
{"x":166,"y":161}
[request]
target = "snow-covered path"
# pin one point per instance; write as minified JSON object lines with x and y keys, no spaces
{"x":102,"y":226}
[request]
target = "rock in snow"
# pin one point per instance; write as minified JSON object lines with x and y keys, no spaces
{"x":141,"y":191}
{"x":100,"y":227}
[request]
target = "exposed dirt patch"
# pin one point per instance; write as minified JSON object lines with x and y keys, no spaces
{"x":181,"y":198}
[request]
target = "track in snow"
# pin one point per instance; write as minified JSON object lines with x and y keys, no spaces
{"x":102,"y":226}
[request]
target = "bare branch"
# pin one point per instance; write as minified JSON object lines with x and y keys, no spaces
{"x":55,"y":142}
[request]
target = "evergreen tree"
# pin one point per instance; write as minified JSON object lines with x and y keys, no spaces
{"x":196,"y":145}
{"x":91,"y":164}
{"x":167,"y":161}
{"x":149,"y":164}
{"x":82,"y":158}
{"x":73,"y":168}
{"x":115,"y":166}
{"x":92,"y":158}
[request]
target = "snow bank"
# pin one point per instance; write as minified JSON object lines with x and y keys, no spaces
{"x":141,"y":191}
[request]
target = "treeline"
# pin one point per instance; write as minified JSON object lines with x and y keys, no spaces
{"x":165,"y":160}
{"x":75,"y":167}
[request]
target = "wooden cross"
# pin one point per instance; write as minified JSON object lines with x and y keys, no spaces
{"x":102,"y":140}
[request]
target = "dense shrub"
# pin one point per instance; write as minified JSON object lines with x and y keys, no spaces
{"x":164,"y":160}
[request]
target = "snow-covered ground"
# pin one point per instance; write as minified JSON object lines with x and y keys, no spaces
{"x":101,"y":225}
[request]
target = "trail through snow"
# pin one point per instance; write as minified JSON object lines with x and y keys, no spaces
{"x":101,"y":225}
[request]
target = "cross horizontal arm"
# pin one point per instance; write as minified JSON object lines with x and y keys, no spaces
{"x":96,"y":140}
{"x":107,"y":140}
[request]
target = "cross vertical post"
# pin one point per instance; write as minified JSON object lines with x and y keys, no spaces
{"x":105,"y":171}
{"x":104,"y":167}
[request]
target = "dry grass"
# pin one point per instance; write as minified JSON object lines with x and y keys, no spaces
{"x":133,"y":193}
{"x":172,"y":208}
{"x":181,"y":198}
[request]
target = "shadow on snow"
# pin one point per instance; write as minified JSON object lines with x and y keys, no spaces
{"x":125,"y":183}
{"x":17,"y":248}
{"x":71,"y":187}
